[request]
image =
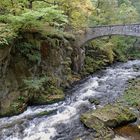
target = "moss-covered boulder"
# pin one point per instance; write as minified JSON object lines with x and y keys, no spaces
{"x":13,"y":104}
{"x":111,"y":115}
{"x":94,"y":101}
{"x":43,"y":98}
{"x":101,"y":131}
{"x":132,"y":93}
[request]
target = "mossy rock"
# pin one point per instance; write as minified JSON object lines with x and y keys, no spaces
{"x":94,"y":101}
{"x":101,"y":131}
{"x":112,"y":115}
{"x":44,"y":113}
{"x":14,"y":104}
{"x":136,"y":68}
{"x":132,"y":93}
{"x":14,"y":109}
{"x":48,"y":98}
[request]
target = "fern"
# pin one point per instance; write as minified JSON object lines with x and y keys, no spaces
{"x":35,"y":83}
{"x":29,"y":20}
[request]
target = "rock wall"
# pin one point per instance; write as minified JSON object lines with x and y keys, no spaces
{"x":36,"y":57}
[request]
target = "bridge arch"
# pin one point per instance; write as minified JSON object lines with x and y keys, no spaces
{"x":100,"y":31}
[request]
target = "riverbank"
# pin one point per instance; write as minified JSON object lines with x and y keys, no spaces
{"x":119,"y":115}
{"x":131,"y":97}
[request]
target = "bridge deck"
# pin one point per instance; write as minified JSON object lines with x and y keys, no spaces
{"x":99,"y":31}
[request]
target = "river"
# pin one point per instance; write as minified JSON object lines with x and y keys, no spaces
{"x":64,"y":124}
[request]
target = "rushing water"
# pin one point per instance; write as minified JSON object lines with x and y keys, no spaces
{"x":64,"y":123}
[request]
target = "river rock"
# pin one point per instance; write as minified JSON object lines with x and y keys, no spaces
{"x":110,"y":115}
{"x":94,"y":101}
{"x":136,"y":68}
{"x":101,"y":131}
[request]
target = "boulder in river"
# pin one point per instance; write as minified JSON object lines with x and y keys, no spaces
{"x":111,"y":115}
{"x":103,"y":119}
{"x":94,"y":101}
{"x":98,"y":126}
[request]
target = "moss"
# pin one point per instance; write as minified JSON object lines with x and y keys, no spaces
{"x":112,"y":115}
{"x":15,"y":108}
{"x":97,"y":58}
{"x":92,"y":65}
{"x":93,"y":122}
{"x":47,"y":97}
{"x":44,"y":113}
{"x":28,"y":50}
{"x":132,"y":93}
{"x":109,"y":53}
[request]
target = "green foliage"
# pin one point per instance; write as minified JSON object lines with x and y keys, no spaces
{"x":41,"y":84}
{"x":29,"y":51}
{"x":136,"y":4}
{"x":114,"y":12}
{"x":35,"y":84}
{"x":131,"y":94}
{"x":134,"y":54}
{"x":6,"y":35}
{"x":102,"y":52}
{"x":97,"y":57}
{"x":127,"y":14}
{"x":105,"y":48}
{"x":31,"y":19}
{"x":108,"y":50}
{"x":40,"y":19}
{"x":77,"y":11}
{"x":122,"y":47}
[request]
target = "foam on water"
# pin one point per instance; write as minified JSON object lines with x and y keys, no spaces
{"x":121,"y":138}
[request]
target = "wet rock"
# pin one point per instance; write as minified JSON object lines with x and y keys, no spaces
{"x":111,"y":115}
{"x":101,"y":131}
{"x":94,"y":101}
{"x":136,"y":68}
{"x":13,"y":104}
{"x":47,"y":98}
{"x":44,"y":113}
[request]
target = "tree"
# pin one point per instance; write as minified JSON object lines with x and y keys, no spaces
{"x":127,"y":14}
{"x":77,"y":11}
{"x":18,"y":18}
{"x":113,"y":12}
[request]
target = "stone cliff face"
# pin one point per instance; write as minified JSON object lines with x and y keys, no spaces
{"x":53,"y":57}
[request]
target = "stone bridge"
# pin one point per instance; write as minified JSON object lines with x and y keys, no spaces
{"x":100,"y":31}
{"x":96,"y":32}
